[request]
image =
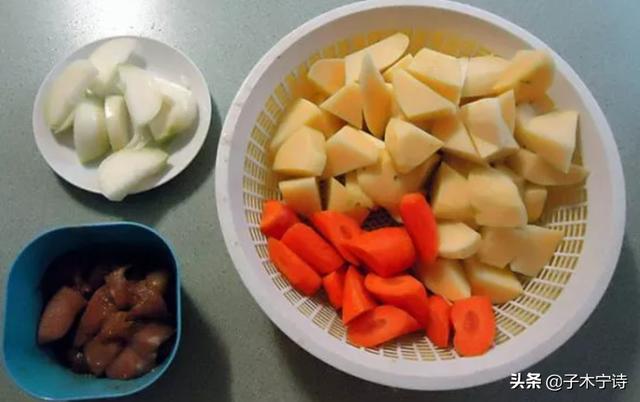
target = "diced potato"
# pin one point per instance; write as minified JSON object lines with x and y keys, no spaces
{"x":417,"y":100}
{"x":536,"y":250}
{"x":553,"y":137}
{"x":349,"y":149}
{"x":346,"y":104}
{"x":450,"y":195}
{"x":376,"y":98}
{"x":517,"y":180}
{"x":339,"y":199}
{"x":529,"y":74}
{"x":386,"y":186}
{"x":445,"y":278}
{"x":524,"y":113}
{"x":543,"y":104}
{"x":441,"y":72}
{"x":302,"y":154}
{"x":490,"y":133}
{"x":355,"y":192}
{"x":331,"y":123}
{"x":495,"y":198}
{"x":482,"y":73}
{"x":302,"y":195}
{"x":534,"y":197}
{"x":536,"y":170}
{"x":301,"y":113}
{"x":499,"y":246}
{"x":384,"y":53}
{"x":401,"y":64}
{"x":457,"y":141}
{"x":508,"y":108}
{"x":457,"y":240}
{"x":408,"y":145}
{"x":500,"y":285}
{"x":462,"y":166}
{"x":396,"y":110}
{"x":327,"y":75}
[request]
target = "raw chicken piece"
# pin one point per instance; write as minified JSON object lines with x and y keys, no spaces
{"x":99,"y":307}
{"x":59,"y":314}
{"x":147,"y":302}
{"x":97,"y":275}
{"x":116,"y":326}
{"x":77,"y":361}
{"x":158,"y":280}
{"x":99,"y":354}
{"x":130,"y":364}
{"x":119,"y":287}
{"x":148,"y":339}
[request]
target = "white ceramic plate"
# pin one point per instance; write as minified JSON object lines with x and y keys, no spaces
{"x":156,"y":57}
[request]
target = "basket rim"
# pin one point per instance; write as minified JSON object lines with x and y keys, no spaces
{"x":359,"y":367}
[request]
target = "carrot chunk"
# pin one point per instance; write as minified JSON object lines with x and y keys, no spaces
{"x":386,"y":251}
{"x":301,"y":276}
{"x":356,"y":299}
{"x":439,"y":321}
{"x":381,"y":325}
{"x":334,"y":286}
{"x":312,"y":248}
{"x":403,"y":291}
{"x":338,"y":228}
{"x":421,"y":225}
{"x":474,"y":324}
{"x":277,"y":217}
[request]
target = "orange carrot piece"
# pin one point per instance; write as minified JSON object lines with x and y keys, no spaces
{"x":421,"y":224}
{"x":277,"y":217}
{"x":386,"y":251}
{"x":381,"y":325}
{"x":312,"y":248}
{"x":334,"y":286}
{"x":403,"y":291}
{"x":474,"y":324}
{"x":356,"y":299}
{"x":301,"y":276}
{"x":338,"y":228}
{"x":439,"y":321}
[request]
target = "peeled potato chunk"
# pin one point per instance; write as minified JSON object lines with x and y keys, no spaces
{"x":536,"y":249}
{"x":450,"y":195}
{"x":500,"y":285}
{"x":355,"y":192}
{"x":349,"y":149}
{"x":482,"y":73}
{"x":507,"y":103}
{"x":455,"y":137}
{"x":499,"y":246}
{"x":529,"y":74}
{"x":417,"y":100}
{"x":302,"y":154}
{"x":446,"y":278}
{"x":301,"y":113}
{"x":401,"y":64}
{"x":495,"y":198}
{"x":536,"y":170}
{"x":340,"y":199}
{"x":409,"y":145}
{"x":346,"y":104}
{"x":327,"y":75}
{"x":553,"y":137}
{"x":457,"y":240}
{"x":376,"y":98}
{"x":441,"y":72}
{"x":302,"y":195}
{"x":534,"y":197}
{"x":384,"y":53}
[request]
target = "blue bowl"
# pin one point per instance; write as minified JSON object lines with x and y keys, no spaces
{"x":34,"y":369}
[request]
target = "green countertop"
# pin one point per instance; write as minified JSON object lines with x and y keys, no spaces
{"x":230,"y":349}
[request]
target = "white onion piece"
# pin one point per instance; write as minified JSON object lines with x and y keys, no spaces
{"x":140,"y":93}
{"x":66,"y":124}
{"x":177,"y":113}
{"x":141,"y":138}
{"x":89,"y":131}
{"x":106,"y":59}
{"x":121,"y":172}
{"x":66,"y":91}
{"x":117,"y":121}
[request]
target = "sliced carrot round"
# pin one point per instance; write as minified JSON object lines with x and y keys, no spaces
{"x":339,"y":229}
{"x":301,"y":276}
{"x":312,"y":248}
{"x":385,"y":251}
{"x":381,"y":325}
{"x":403,"y":291}
{"x":356,"y":299}
{"x":334,"y":286}
{"x":421,"y":225}
{"x":474,"y":324}
{"x":439,"y":321}
{"x":276,"y":218}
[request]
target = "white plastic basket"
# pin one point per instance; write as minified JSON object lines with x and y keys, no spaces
{"x":553,"y":306}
